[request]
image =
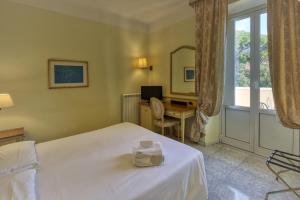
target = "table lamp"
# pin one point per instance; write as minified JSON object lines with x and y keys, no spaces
{"x":5,"y":101}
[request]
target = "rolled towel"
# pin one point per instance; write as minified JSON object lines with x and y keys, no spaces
{"x":151,"y":155}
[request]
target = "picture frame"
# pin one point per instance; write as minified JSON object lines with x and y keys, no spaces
{"x":189,"y":74}
{"x":67,"y":74}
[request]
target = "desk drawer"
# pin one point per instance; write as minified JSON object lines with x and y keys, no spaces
{"x":173,"y":114}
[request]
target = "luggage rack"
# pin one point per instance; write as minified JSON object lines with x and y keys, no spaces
{"x":287,"y":161}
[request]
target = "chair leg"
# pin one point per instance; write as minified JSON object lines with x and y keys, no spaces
{"x":177,"y":131}
{"x":170,"y":130}
{"x":163,"y":130}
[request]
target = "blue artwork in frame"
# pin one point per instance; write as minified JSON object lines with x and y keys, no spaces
{"x":189,"y":74}
{"x":67,"y":73}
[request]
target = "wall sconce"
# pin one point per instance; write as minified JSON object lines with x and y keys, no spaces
{"x":5,"y":101}
{"x":142,"y":63}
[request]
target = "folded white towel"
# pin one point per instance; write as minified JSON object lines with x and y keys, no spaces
{"x":148,"y":153}
{"x":146,"y":143}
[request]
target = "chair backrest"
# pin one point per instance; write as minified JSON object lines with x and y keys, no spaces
{"x":157,"y":108}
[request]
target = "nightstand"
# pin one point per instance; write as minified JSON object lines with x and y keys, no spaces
{"x":12,"y":135}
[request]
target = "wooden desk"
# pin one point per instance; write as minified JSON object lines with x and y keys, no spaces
{"x":171,"y":110}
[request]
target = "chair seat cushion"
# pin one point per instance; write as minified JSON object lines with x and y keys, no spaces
{"x":168,"y":122}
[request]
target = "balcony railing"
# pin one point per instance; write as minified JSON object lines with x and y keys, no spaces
{"x":242,"y":97}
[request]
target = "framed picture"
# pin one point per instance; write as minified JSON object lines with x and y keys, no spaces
{"x":189,"y":74}
{"x":67,"y":74}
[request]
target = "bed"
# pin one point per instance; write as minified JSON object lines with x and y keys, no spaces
{"x":98,"y":165}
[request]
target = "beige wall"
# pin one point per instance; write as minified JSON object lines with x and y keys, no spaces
{"x":29,"y":36}
{"x":161,"y":43}
{"x":164,"y":41}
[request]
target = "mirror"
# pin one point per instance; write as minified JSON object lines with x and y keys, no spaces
{"x":183,"y":71}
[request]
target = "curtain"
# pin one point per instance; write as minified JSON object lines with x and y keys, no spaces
{"x":284,"y":58}
{"x":211,"y":16}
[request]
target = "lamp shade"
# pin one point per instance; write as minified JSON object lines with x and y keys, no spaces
{"x":6,"y":101}
{"x":142,"y":63}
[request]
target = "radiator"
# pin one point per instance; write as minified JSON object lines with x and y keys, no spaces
{"x":131,"y":108}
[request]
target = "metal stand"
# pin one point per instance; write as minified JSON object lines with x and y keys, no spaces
{"x":288,"y":162}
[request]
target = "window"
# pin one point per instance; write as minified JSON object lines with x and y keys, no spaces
{"x":242,"y":47}
{"x":266,"y":100}
{"x":250,"y":61}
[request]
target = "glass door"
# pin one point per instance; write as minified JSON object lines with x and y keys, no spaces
{"x":266,"y":101}
{"x":269,"y":133}
{"x":242,"y":61}
{"x":248,"y":116}
{"x":236,"y":112}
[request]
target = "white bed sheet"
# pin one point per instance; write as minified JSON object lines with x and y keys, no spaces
{"x":98,"y":165}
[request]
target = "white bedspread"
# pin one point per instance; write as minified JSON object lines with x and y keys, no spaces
{"x":97,"y":165}
{"x":18,"y":186}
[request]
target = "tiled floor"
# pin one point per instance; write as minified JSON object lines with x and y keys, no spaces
{"x":233,"y":174}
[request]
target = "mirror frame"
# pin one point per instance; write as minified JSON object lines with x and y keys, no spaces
{"x":171,"y":54}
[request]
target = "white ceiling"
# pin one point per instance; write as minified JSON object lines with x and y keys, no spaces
{"x":143,"y":14}
{"x":145,"y":11}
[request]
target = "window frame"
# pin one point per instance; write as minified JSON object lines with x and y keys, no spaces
{"x":229,"y":96}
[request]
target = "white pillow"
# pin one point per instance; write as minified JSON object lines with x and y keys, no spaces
{"x":19,"y":186}
{"x":17,"y":157}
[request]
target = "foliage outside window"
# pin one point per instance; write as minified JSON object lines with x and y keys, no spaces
{"x":242,"y":67}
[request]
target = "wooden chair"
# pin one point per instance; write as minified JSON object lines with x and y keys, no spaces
{"x":159,"y":120}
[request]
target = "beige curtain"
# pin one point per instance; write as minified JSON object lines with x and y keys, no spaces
{"x":211,"y":18}
{"x":284,"y":56}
